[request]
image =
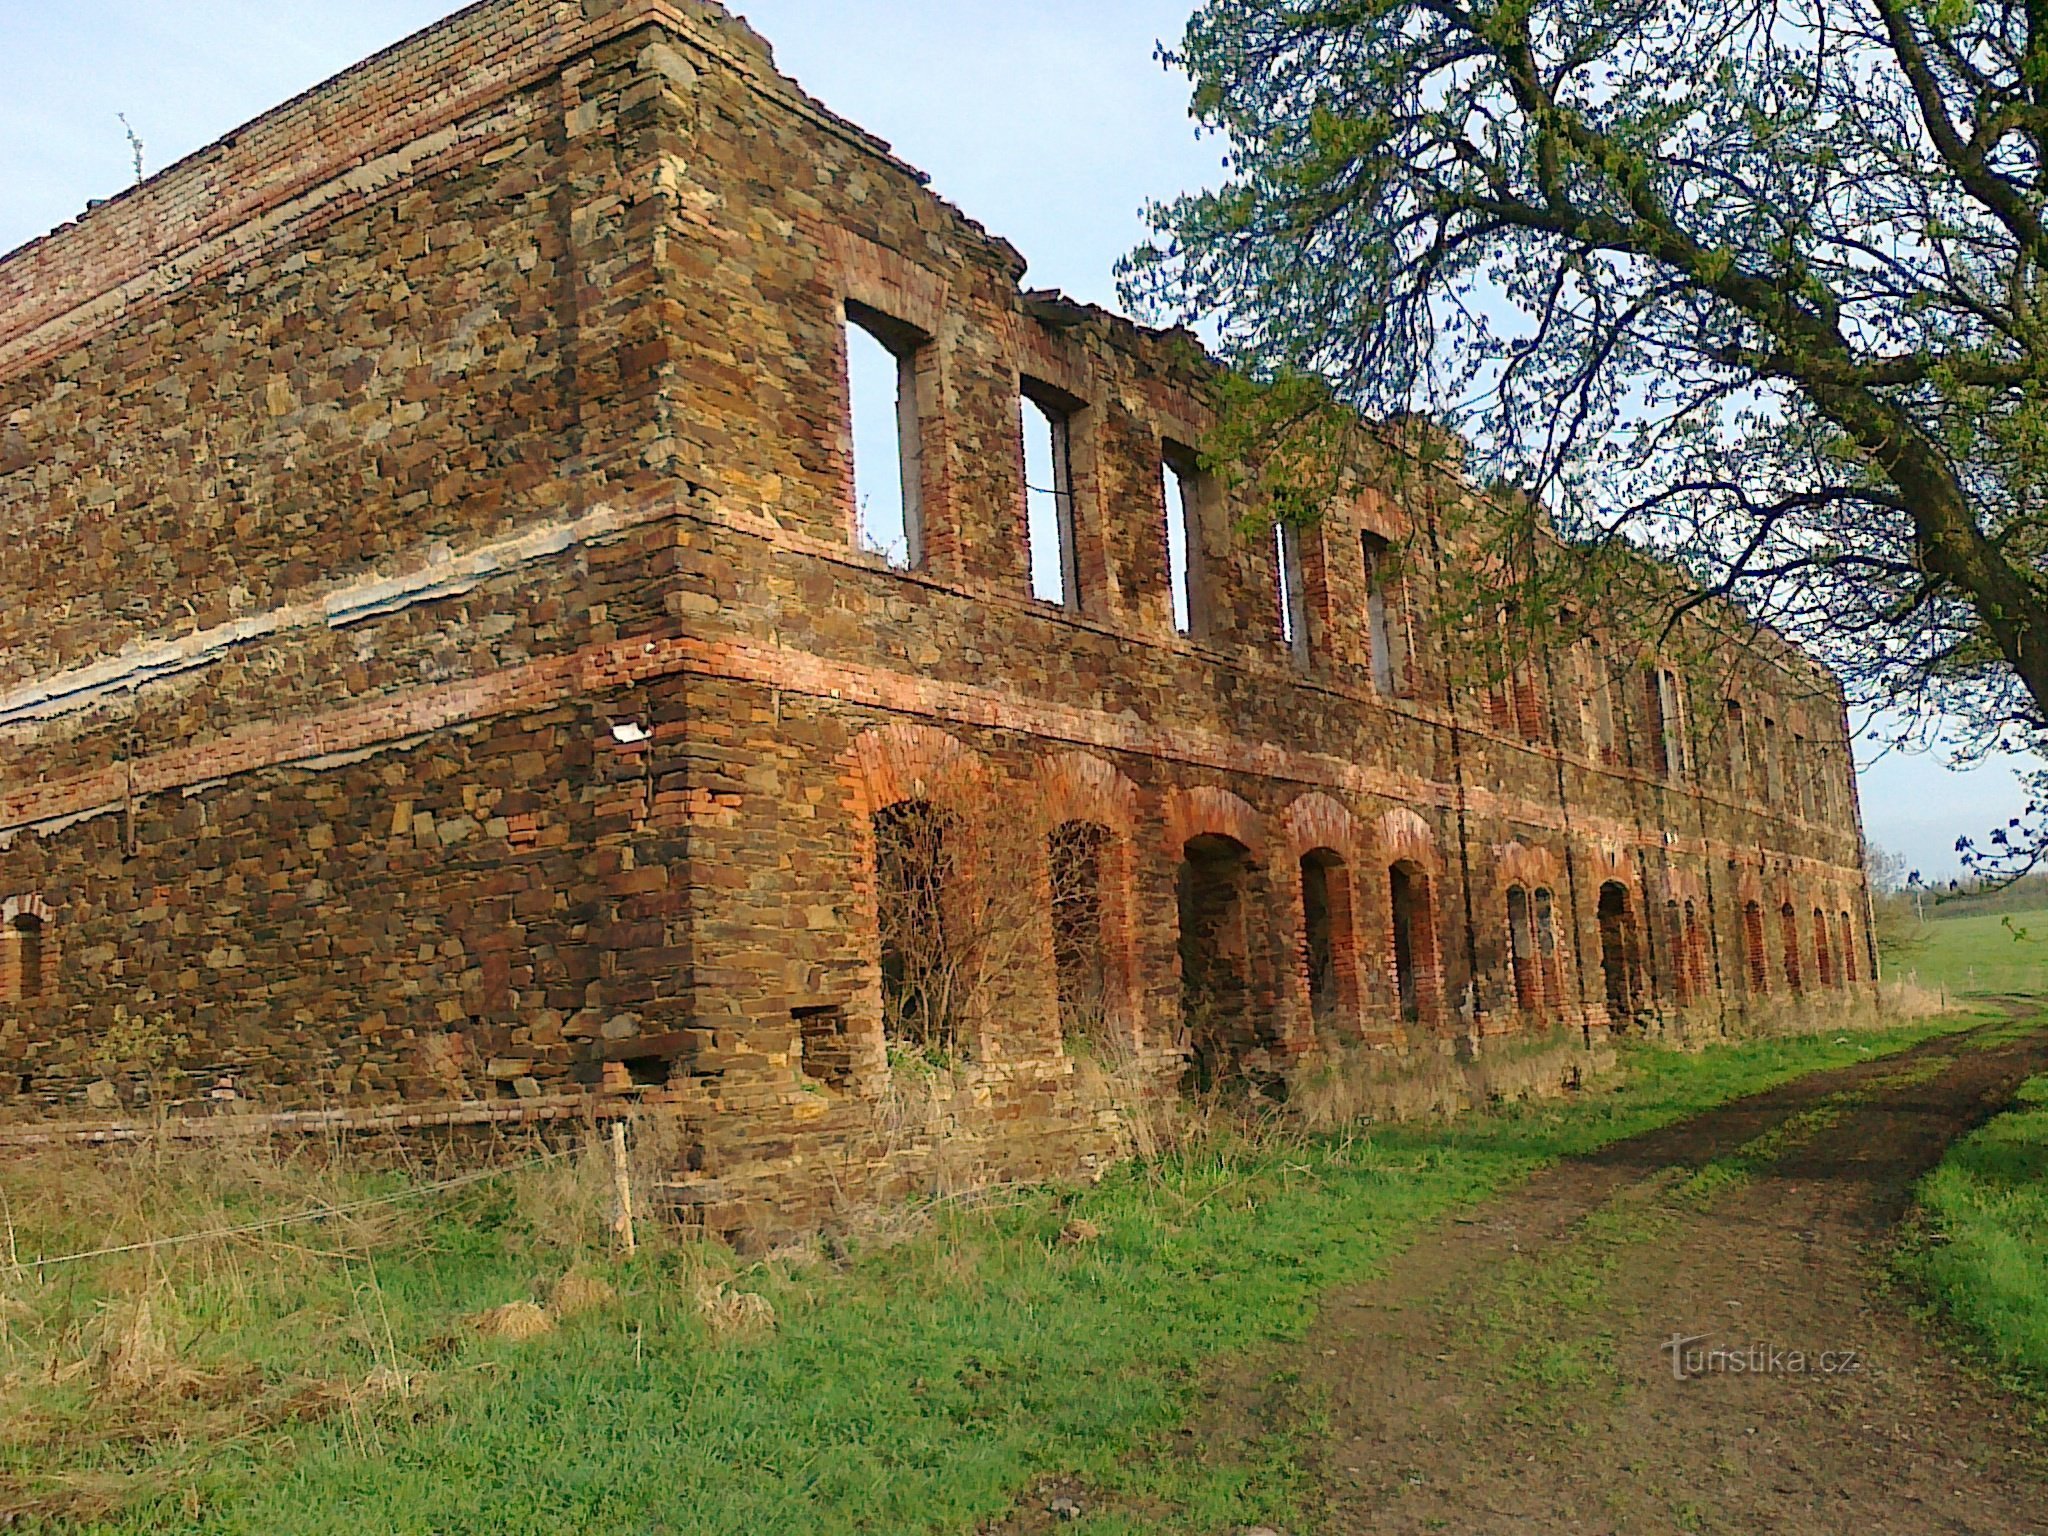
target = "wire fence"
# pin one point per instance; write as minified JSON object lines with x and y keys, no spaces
{"x":295,"y":1218}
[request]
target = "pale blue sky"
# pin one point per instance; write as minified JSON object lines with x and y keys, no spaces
{"x":1049,"y":121}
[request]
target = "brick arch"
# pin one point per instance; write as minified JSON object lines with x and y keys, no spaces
{"x":1782,"y":891}
{"x":29,"y":905}
{"x":905,"y":761}
{"x":1403,"y":843}
{"x":1536,"y":964}
{"x":1403,"y":835}
{"x":1611,"y":865}
{"x":1209,"y":809}
{"x":1324,"y":966}
{"x":1682,"y":885}
{"x":28,"y":963}
{"x":1316,"y":821}
{"x":885,"y":766}
{"x":1518,"y":863}
{"x":1079,"y":786}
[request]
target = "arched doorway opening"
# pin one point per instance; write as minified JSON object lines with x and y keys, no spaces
{"x":1413,"y":905}
{"x":1074,"y":858}
{"x":915,"y":856}
{"x":1328,"y":938}
{"x":1620,"y":954}
{"x":1216,"y":957}
{"x":1522,"y":960}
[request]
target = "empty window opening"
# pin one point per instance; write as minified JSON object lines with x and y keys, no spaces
{"x":1181,"y":481}
{"x":1668,"y":737}
{"x":1754,"y":953}
{"x":1766,"y":774}
{"x":1620,"y":953}
{"x":1381,"y":601}
{"x":914,"y":868}
{"x":1326,"y":933}
{"x":1520,"y":702}
{"x":1738,"y":750}
{"x":1216,"y":958}
{"x":1500,"y":684}
{"x":1549,"y":954}
{"x":827,"y":1048}
{"x":1074,"y":853}
{"x":1845,"y":951}
{"x":1293,"y":602}
{"x":1528,"y":701}
{"x":1596,"y":706}
{"x":1788,"y":932}
{"x":1415,"y":950}
{"x":888,"y":451}
{"x":24,"y":962}
{"x":1615,"y":694}
{"x":1823,"y":960}
{"x":1049,"y":496}
{"x":1522,"y":960}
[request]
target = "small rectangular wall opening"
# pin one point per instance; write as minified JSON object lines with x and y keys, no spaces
{"x":1049,"y":494}
{"x":827,"y":1050}
{"x":649,"y":1071}
{"x":1181,"y":478}
{"x":887,"y":435}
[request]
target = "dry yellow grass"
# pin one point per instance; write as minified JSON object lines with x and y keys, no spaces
{"x":728,"y":1311}
{"x":514,"y":1321}
{"x":580,"y":1291}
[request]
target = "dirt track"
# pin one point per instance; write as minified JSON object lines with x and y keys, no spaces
{"x":1512,"y":1372}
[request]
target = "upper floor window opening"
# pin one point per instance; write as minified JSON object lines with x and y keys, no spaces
{"x":1738,"y":748}
{"x":1621,"y":747}
{"x":882,"y":356}
{"x":1382,"y":597}
{"x":1049,"y":522}
{"x":1668,"y":737}
{"x":1183,"y":482}
{"x":1596,"y":704}
{"x":1500,"y":683}
{"x":1290,"y":593}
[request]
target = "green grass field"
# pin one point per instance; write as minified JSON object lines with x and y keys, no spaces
{"x":1991,"y":955}
{"x":299,"y":1381}
{"x":1980,"y":1251}
{"x":1981,"y":1254}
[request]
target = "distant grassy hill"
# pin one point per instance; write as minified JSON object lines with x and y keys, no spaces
{"x":1999,"y":953}
{"x":2028,"y":895}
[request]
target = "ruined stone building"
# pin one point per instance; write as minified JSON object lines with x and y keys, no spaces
{"x":444,"y":662}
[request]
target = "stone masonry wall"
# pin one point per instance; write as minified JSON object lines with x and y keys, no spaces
{"x":439,"y":665}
